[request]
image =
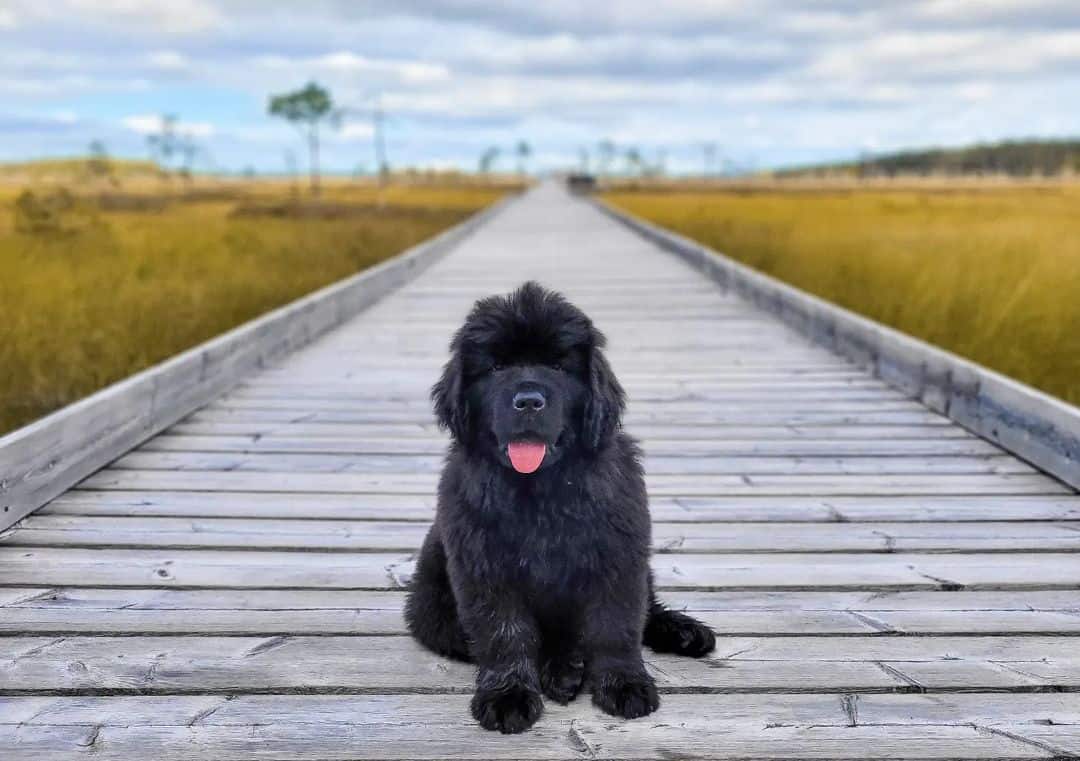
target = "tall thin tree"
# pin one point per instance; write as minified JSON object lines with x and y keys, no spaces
{"x":488,"y":159}
{"x":305,"y":109}
{"x":605,"y":154}
{"x":523,"y":150}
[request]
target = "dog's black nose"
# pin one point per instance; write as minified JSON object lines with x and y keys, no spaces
{"x":529,"y":401}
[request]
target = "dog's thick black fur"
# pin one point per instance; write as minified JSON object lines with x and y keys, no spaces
{"x":541,"y":577}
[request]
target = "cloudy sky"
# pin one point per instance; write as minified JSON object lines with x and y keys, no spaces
{"x":769,"y":82}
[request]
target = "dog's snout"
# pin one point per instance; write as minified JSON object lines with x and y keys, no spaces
{"x":529,"y":401}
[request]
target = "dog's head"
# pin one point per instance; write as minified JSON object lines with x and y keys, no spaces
{"x":527,"y":381}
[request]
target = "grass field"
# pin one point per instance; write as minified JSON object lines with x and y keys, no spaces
{"x":134,"y":277}
{"x":992,"y":274}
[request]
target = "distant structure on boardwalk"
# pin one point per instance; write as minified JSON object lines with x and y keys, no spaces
{"x":581,"y":182}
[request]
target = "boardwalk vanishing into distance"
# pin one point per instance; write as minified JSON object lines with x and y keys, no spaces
{"x":884,"y":584}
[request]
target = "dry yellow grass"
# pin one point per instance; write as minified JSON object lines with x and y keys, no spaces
{"x":123,"y":290}
{"x":992,"y":274}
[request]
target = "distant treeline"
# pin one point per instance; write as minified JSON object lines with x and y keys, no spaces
{"x":1023,"y":158}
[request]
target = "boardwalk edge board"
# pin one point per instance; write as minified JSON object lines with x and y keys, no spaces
{"x":1032,"y":425}
{"x":47,"y":457}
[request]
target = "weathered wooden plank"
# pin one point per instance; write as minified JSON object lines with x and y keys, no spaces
{"x":1063,"y":742}
{"x":646,"y":433}
{"x":213,"y":569}
{"x":197,"y":504}
{"x":873,"y":601}
{"x":984,"y":709}
{"x":63,"y":611}
{"x":870,"y":709}
{"x":358,"y":664}
{"x":671,"y":390}
{"x":627,"y":352}
{"x":659,"y":485}
{"x":306,"y":462}
{"x":634,"y":418}
{"x":327,"y":535}
{"x":329,"y":365}
{"x":411,"y":391}
{"x":418,"y":380}
{"x":419,"y":407}
{"x":15,"y":595}
{"x":875,"y":507}
{"x":65,"y":621}
{"x":791,"y":447}
{"x":896,"y":508}
{"x":877,"y":602}
{"x":339,"y":728}
{"x":724,"y":332}
{"x":38,"y":621}
{"x":275,"y":382}
{"x":379,"y":664}
{"x":296,"y":373}
{"x":982,"y":622}
{"x":631,"y":347}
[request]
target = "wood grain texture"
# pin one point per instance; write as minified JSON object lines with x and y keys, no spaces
{"x":56,"y":566}
{"x":380,"y":664}
{"x":423,"y":484}
{"x":679,"y":463}
{"x":401,"y":536}
{"x":358,"y":445}
{"x":69,"y":610}
{"x":746,"y":508}
{"x":883,"y":583}
{"x":289,"y":727}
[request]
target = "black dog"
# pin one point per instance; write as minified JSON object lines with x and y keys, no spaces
{"x":537,"y":566}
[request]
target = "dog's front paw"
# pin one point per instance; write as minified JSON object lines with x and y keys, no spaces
{"x":510,"y":710}
{"x":561,"y":677}
{"x":627,"y":696}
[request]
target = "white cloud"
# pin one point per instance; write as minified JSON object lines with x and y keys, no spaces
{"x":148,"y":124}
{"x":772,"y":80}
{"x":969,"y":11}
{"x":345,"y":65}
{"x":65,"y":117}
{"x":171,"y":17}
{"x":168,"y":60}
{"x":630,"y":55}
{"x":355,"y":131}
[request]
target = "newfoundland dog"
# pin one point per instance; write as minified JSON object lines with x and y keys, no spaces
{"x":537,"y":565}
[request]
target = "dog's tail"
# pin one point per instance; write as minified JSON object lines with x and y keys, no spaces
{"x":670,"y":631}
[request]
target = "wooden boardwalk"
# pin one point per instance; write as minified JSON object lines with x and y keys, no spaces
{"x":884,"y":584}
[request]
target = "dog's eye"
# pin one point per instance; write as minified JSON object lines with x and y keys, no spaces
{"x":496,"y":367}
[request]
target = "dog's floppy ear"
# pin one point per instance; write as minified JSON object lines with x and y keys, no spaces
{"x":605,"y":403}
{"x":448,"y":396}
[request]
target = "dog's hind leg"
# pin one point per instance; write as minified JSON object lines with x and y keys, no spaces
{"x":430,"y":609}
{"x":669,"y":631}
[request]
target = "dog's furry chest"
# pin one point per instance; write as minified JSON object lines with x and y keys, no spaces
{"x":545,"y":543}
{"x":552,"y":545}
{"x":560,"y":536}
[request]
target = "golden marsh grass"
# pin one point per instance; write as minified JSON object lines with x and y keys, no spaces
{"x":129,"y":286}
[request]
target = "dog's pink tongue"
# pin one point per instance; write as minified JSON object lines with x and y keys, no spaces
{"x":526,"y":456}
